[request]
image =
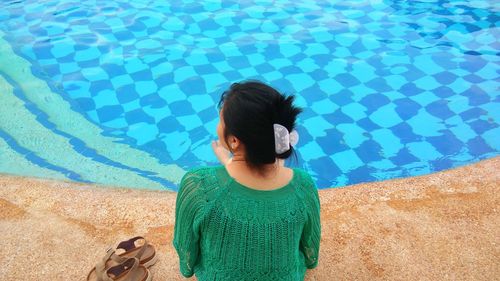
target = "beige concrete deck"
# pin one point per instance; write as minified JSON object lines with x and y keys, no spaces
{"x":443,"y":226}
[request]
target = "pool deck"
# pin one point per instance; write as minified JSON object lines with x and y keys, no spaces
{"x":442,"y":226}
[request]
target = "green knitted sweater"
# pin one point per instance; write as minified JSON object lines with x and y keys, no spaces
{"x":227,"y":231}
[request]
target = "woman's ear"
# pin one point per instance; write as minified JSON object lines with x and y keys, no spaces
{"x":234,"y":143}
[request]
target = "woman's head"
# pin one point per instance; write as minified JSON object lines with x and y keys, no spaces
{"x":248,"y":111}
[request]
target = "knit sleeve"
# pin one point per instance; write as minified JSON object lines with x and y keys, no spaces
{"x":311,"y":234}
{"x":188,"y":211}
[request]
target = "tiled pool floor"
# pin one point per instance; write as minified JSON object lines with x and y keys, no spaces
{"x":390,"y":88}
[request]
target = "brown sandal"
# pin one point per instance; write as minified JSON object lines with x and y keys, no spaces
{"x":129,"y":270}
{"x":145,"y":253}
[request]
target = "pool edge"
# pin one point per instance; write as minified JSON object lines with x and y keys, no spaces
{"x":429,"y":227}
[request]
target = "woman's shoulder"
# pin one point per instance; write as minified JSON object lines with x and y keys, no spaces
{"x":201,"y":172}
{"x":203,"y":177}
{"x":303,"y":177}
{"x":305,"y":183}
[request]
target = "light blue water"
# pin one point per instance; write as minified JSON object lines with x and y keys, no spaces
{"x":124,"y":93}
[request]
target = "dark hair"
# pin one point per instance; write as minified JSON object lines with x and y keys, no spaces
{"x":250,"y":110}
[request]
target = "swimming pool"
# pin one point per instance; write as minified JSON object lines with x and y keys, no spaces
{"x":124,"y":93}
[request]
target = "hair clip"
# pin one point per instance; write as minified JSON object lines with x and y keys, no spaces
{"x":284,"y":139}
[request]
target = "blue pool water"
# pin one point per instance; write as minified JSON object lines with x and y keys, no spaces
{"x":125,"y":92}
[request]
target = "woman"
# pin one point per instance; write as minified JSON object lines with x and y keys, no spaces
{"x":251,"y":218}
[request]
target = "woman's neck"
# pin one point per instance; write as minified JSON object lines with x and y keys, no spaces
{"x":266,"y":171}
{"x":274,"y":175}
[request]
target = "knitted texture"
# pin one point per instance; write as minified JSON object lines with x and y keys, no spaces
{"x":227,"y":231}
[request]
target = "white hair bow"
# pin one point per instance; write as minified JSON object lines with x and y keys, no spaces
{"x":284,"y":139}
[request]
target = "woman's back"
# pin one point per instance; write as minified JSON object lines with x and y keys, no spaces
{"x":251,"y":219}
{"x":241,"y":233}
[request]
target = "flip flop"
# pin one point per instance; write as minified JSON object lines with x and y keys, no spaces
{"x":145,"y":253}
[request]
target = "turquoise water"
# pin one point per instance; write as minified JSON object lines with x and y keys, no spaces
{"x":124,"y":93}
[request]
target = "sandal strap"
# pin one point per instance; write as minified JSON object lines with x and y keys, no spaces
{"x":129,"y":265}
{"x":128,"y":269}
{"x":128,"y":245}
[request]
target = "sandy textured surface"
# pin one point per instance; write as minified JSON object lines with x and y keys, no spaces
{"x":443,"y":226}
